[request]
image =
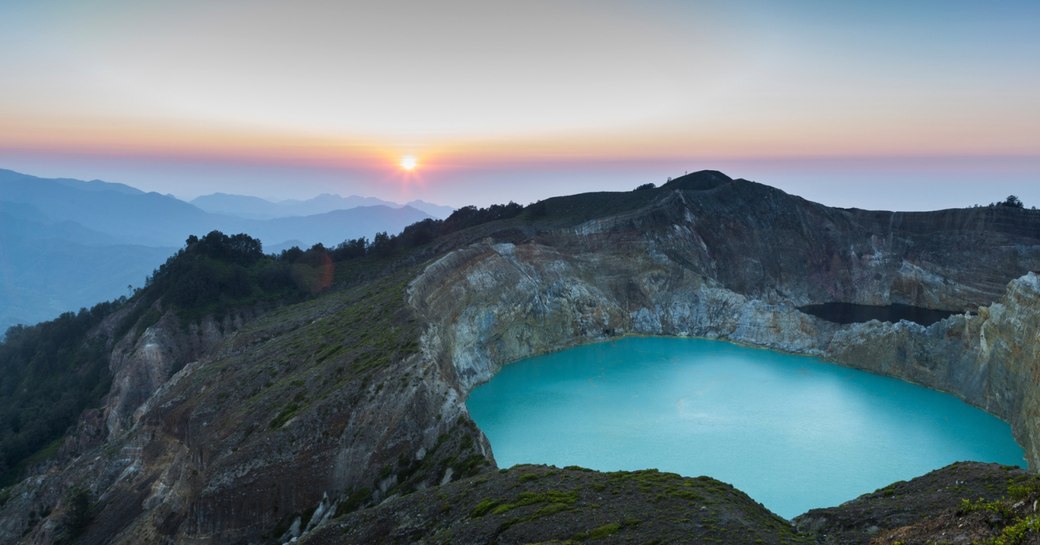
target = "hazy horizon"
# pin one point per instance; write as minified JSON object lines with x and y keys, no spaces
{"x":904,"y":185}
{"x":882,"y":105}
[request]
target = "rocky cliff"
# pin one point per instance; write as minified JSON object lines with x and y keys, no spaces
{"x":261,"y":428}
{"x":734,"y":260}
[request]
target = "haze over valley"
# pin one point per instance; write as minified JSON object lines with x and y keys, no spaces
{"x":69,"y":244}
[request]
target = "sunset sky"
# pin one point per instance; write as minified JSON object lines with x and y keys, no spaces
{"x":903,"y":105}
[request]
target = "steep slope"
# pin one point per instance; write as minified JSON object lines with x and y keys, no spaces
{"x":212,"y":427}
{"x":352,"y":397}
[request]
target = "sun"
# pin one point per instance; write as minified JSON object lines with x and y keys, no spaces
{"x":409,"y":162}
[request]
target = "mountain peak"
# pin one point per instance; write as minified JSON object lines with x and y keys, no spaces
{"x":699,"y":181}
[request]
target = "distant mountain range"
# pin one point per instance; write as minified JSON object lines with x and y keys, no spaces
{"x":245,"y":206}
{"x":66,"y":244}
{"x":48,"y":267}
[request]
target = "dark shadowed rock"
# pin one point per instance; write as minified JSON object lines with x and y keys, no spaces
{"x":698,"y":181}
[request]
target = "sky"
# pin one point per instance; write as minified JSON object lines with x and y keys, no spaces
{"x":899,"y":105}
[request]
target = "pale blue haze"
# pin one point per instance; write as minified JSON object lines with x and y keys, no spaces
{"x":792,"y":432}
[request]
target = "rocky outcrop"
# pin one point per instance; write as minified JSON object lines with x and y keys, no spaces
{"x":141,"y":364}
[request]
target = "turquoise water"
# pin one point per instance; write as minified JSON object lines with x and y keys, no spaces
{"x":792,"y":432}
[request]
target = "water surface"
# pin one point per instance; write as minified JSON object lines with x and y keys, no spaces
{"x":848,"y":313}
{"x":792,"y":432}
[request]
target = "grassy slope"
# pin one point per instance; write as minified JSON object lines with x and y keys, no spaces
{"x":539,"y":504}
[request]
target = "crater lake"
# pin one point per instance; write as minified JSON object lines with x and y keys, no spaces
{"x":793,"y":432}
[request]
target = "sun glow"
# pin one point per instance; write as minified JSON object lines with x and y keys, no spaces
{"x":409,"y":162}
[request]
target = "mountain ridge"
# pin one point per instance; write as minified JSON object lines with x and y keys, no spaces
{"x":137,"y":217}
{"x":251,"y":207}
{"x":70,"y":221}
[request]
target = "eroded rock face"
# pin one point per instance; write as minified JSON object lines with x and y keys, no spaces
{"x":240,"y":432}
{"x":141,"y":364}
{"x":988,"y":358}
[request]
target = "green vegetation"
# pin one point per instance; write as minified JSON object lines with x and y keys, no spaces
{"x":599,"y":532}
{"x":218,"y":272}
{"x":359,"y":329}
{"x":49,"y":373}
{"x":1012,"y":514}
{"x":425,"y":231}
{"x":579,"y":208}
{"x":1012,"y":202}
{"x":483,"y":507}
{"x":287,"y":413}
{"x":556,"y":499}
{"x":528,"y":477}
{"x":356,"y":499}
{"x":1021,"y":489}
{"x":548,"y":505}
{"x":554,"y":502}
{"x":670,"y":484}
{"x":1016,"y":533}
{"x":996,"y":507}
{"x":890,"y":490}
{"x":78,"y":513}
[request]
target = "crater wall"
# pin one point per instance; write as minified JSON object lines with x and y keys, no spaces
{"x":684,"y":267}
